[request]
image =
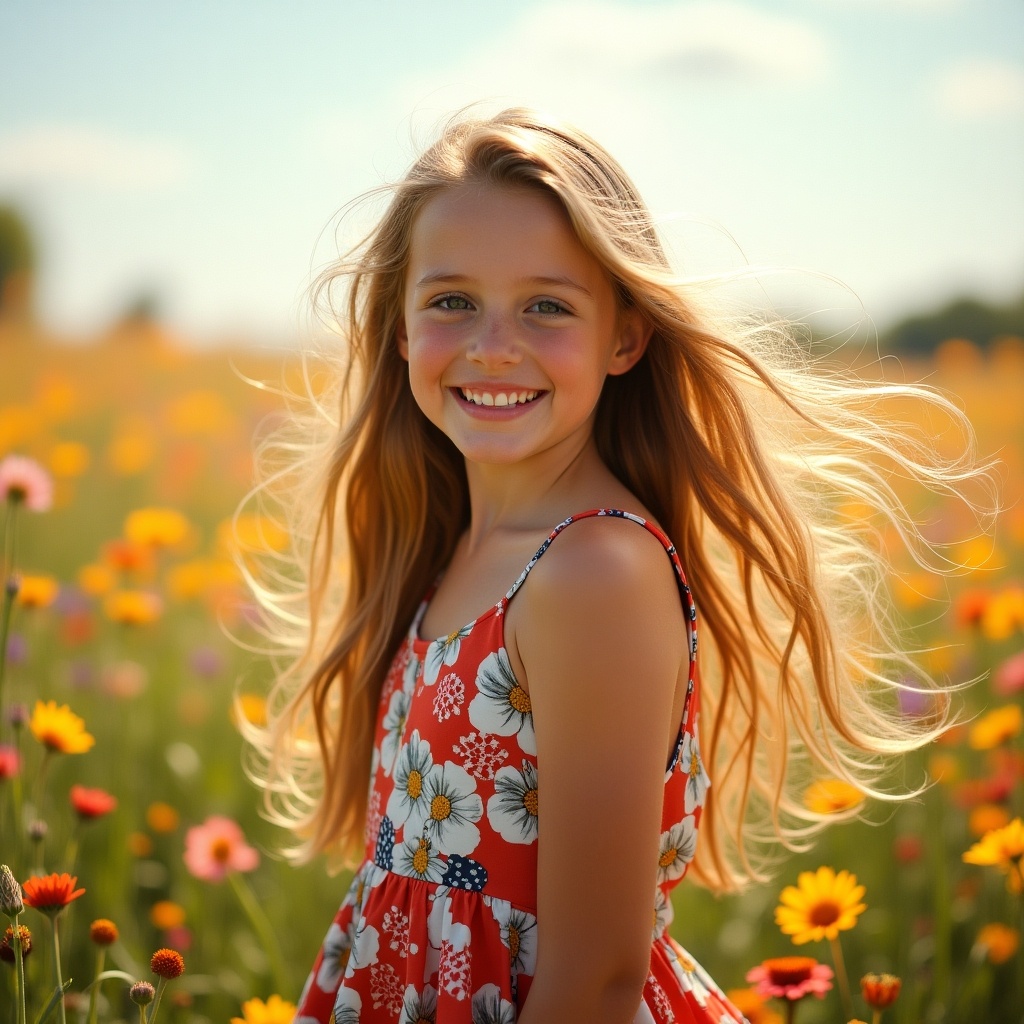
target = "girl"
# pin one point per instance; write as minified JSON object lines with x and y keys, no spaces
{"x":521,"y":771}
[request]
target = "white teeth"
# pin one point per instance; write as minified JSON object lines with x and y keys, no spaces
{"x":499,"y":399}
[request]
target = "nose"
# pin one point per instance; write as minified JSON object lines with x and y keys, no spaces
{"x":495,"y":343}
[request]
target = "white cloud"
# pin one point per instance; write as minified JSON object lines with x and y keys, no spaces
{"x":84,"y":154}
{"x":981,"y":88}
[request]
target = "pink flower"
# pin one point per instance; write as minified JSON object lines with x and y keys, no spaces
{"x":24,"y":480}
{"x":217,"y":847}
{"x":791,"y":977}
{"x":10,"y":761}
{"x":1009,"y":677}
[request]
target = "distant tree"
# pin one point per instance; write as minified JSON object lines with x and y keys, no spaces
{"x":969,"y":318}
{"x":17,"y":262}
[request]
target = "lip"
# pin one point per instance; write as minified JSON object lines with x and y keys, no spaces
{"x":495,"y":412}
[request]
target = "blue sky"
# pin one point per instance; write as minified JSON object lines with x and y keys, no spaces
{"x":200,"y":149}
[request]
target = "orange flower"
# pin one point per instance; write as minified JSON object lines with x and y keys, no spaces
{"x":943,"y":767}
{"x":987,"y":817}
{"x":167,"y":963}
{"x":50,"y":894}
{"x":166,"y":914}
{"x":279,"y":1011}
{"x":998,"y":941}
{"x":162,"y":817}
{"x":127,"y":556}
{"x":999,"y":726}
{"x":37,"y":591}
{"x":1002,"y":848}
{"x":832,"y":796}
{"x":103,"y":932}
{"x":69,"y":458}
{"x":751,"y":1005}
{"x":59,"y":729}
{"x":970,"y":607}
{"x":880,"y":990}
{"x":156,"y":527}
{"x":96,"y":580}
{"x":133,"y":607}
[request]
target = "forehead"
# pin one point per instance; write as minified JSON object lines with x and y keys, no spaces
{"x":486,"y":227}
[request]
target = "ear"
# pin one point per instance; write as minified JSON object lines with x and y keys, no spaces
{"x":634,"y":334}
{"x":402,"y":338}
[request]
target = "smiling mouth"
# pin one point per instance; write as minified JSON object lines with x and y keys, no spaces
{"x":498,"y":399}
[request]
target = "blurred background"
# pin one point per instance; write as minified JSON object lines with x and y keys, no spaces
{"x":170,"y":179}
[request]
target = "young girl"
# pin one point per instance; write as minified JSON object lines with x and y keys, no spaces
{"x":519,"y":759}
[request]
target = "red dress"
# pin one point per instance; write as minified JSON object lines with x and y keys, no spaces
{"x":440,"y":923}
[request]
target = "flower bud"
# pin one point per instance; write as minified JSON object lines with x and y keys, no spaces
{"x":142,"y":993}
{"x":11,"y":902}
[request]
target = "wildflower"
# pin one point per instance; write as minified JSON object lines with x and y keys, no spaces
{"x":11,"y":902}
{"x":139,"y":844}
{"x":880,"y":990}
{"x":167,"y":963}
{"x":10,"y":761}
{"x":1004,"y":614}
{"x":791,"y":977}
{"x":166,"y":914}
{"x":251,"y":533}
{"x":133,"y":607}
{"x":50,"y":894}
{"x":820,"y":905}
{"x":943,"y":768}
{"x":999,"y":726}
{"x":908,"y":848}
{"x":1002,"y":848}
{"x":37,"y":591}
{"x":59,"y":729}
{"x":274,"y":1011}
{"x":997,"y":942}
{"x":103,"y":932}
{"x":91,"y":803}
{"x":750,"y":1003}
{"x":17,"y":715}
{"x":217,"y":847}
{"x":37,"y":830}
{"x":250,"y":708}
{"x":142,"y":993}
{"x":831,"y":796}
{"x":1009,"y":676}
{"x":7,"y":953}
{"x":69,"y":459}
{"x":970,"y":607}
{"x":24,"y":481}
{"x":127,"y":556}
{"x":162,"y":817}
{"x":986,"y":818}
{"x":96,"y":580}
{"x":156,"y":527}
{"x":124,"y":679}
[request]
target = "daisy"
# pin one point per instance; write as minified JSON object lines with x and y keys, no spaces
{"x":24,"y":480}
{"x":678,"y":845}
{"x":490,"y":1008}
{"x":512,"y":811}
{"x":365,"y":946}
{"x":663,"y":913}
{"x":394,"y":726}
{"x":693,"y":765}
{"x":414,"y":763}
{"x":444,"y":651}
{"x":419,"y":1007}
{"x":418,"y":858}
{"x":518,"y":934}
{"x":337,"y":948}
{"x":449,"y":810}
{"x":502,"y":706}
{"x":347,"y":1009}
{"x":820,"y":906}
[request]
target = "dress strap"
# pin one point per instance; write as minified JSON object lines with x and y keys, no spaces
{"x":689,"y":608}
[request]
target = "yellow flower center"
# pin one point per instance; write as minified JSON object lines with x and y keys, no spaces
{"x":694,"y":764}
{"x":440,"y":807}
{"x":343,"y":958}
{"x":421,"y":858}
{"x":451,"y":638}
{"x":531,"y":802}
{"x":415,"y":784}
{"x":520,"y":700}
{"x":513,"y":941}
{"x":220,"y":850}
{"x":668,"y":857}
{"x":824,"y":913}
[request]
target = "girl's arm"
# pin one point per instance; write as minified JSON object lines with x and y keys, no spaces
{"x":602,"y":637}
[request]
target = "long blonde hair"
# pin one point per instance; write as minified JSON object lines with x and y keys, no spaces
{"x":744,"y":451}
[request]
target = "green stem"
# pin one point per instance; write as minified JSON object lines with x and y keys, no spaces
{"x":160,"y":986}
{"x":942,"y":965}
{"x":5,"y":628}
{"x":791,"y":1010}
{"x":94,"y":992}
{"x":56,"y":971}
{"x":876,"y":1017}
{"x":263,"y":927}
{"x":844,"y":981}
{"x":19,"y":961}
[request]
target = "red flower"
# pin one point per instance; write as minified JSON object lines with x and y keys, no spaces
{"x":91,"y":803}
{"x":167,"y":963}
{"x":50,"y":894}
{"x":10,"y":761}
{"x":880,"y":990}
{"x":791,"y":977}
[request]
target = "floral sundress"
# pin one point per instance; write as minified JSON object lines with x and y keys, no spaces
{"x":439,"y":923}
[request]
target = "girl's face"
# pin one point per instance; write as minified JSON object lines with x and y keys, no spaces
{"x":509,"y":325}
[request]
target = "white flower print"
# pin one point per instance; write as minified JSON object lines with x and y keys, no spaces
{"x":481,"y":755}
{"x":662,"y":913}
{"x":337,"y":949}
{"x":444,"y":651}
{"x":661,"y":1003}
{"x":347,"y":1007}
{"x":414,"y":763}
{"x":365,"y":946}
{"x":451,"y":695}
{"x":490,"y":1008}
{"x":449,"y":810}
{"x":394,"y":725}
{"x":678,"y":845}
{"x":512,"y":811}
{"x":518,"y":930}
{"x":419,"y":858}
{"x":455,"y":970}
{"x":396,"y":927}
{"x":502,"y":706}
{"x":419,"y":1007}
{"x":693,"y":765}
{"x":386,"y":989}
{"x":412,"y":668}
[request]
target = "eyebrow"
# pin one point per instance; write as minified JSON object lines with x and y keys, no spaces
{"x":443,"y":276}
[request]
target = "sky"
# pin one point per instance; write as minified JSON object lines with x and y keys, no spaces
{"x":200,"y":150}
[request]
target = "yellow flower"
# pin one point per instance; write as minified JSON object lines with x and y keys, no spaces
{"x":251,"y":708}
{"x":944,"y":768}
{"x":1002,"y":848}
{"x":59,"y":728}
{"x":999,"y":726}
{"x":156,"y":527}
{"x":830,"y":796}
{"x":96,"y":580}
{"x":998,"y":942}
{"x":251,"y":533}
{"x":132,"y":607}
{"x":200,"y":577}
{"x":37,"y":591}
{"x":69,"y":458}
{"x":132,"y":448}
{"x":820,"y":905}
{"x":166,"y":914}
{"x":987,"y":817}
{"x":274,"y":1011}
{"x":1004,"y":614}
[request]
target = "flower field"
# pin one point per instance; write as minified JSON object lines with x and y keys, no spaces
{"x":149,"y":884}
